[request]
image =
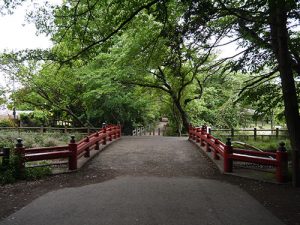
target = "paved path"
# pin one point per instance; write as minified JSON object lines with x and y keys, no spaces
{"x":162,"y":181}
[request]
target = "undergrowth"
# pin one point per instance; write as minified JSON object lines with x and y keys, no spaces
{"x":9,"y":173}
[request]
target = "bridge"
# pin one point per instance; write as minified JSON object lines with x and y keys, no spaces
{"x":157,"y":180}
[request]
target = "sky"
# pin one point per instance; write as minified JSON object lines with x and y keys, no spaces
{"x":17,"y":34}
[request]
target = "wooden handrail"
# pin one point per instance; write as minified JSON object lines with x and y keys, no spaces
{"x":278,"y":159}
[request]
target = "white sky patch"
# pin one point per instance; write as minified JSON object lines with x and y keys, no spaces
{"x":17,"y":34}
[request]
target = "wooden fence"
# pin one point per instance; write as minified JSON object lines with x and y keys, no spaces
{"x":249,"y":132}
{"x":279,"y":160}
{"x":73,"y":151}
{"x":142,"y":131}
{"x":81,"y":130}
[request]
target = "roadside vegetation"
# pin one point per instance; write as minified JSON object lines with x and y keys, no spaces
{"x":9,"y":172}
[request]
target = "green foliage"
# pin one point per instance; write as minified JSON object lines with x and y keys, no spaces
{"x":36,"y":139}
{"x":36,"y":118}
{"x":37,"y":173}
{"x":11,"y":173}
{"x":7,"y":123}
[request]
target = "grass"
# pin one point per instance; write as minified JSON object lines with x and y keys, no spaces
{"x":36,"y":139}
{"x":10,"y":173}
{"x":270,"y":144}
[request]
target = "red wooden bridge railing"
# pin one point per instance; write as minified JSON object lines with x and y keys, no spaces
{"x":211,"y":144}
{"x":73,"y":151}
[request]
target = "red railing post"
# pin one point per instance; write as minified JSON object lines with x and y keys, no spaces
{"x":114,"y":130}
{"x":207,"y":144}
{"x":228,"y":162}
{"x":282,"y":163}
{"x":73,"y":156}
{"x":215,"y":152}
{"x":87,"y":150}
{"x":198,"y":133}
{"x":104,"y":138}
{"x":201,"y":139}
{"x":194,"y":133}
{"x":20,"y":153}
{"x":190,"y":131}
{"x":204,"y":128}
{"x":119,"y":131}
{"x":97,"y":147}
{"x":109,"y":134}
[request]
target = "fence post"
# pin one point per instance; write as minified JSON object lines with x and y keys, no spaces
{"x":277,"y":132}
{"x":202,"y":134}
{"x":73,"y":156}
{"x":119,"y":131}
{"x":215,"y":152}
{"x":87,"y":150}
{"x":114,"y":129}
{"x":232,"y":132}
{"x":228,"y":163}
{"x":97,"y":147}
{"x":255,"y":133}
{"x":282,"y":163}
{"x":198,"y":132}
{"x":204,"y":128}
{"x":158,"y":131}
{"x":20,"y":153}
{"x":209,"y":130}
{"x":104,"y":138}
{"x":207,"y":144}
{"x":5,"y":159}
{"x":190,"y":131}
{"x":109,"y":134}
{"x":42,"y":129}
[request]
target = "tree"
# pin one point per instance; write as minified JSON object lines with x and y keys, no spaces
{"x":155,"y":55}
{"x":266,"y":31}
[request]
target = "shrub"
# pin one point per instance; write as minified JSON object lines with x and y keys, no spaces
{"x":37,"y":173}
{"x":7,"y":123}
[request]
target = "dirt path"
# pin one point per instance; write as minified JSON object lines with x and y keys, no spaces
{"x":139,"y":156}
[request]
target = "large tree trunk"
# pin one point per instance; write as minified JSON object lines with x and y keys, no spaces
{"x":279,"y":36}
{"x":183,"y":115}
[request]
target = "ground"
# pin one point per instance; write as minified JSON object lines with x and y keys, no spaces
{"x":124,"y":158}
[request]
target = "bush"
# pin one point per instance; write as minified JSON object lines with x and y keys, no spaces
{"x":7,"y":123}
{"x":11,"y":173}
{"x":37,"y":118}
{"x":8,"y":139}
{"x":37,"y":173}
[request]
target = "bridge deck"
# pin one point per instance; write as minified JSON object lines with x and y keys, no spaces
{"x":157,"y":156}
{"x":159,"y":181}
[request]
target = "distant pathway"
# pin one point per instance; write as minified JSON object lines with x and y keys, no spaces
{"x":160,"y":181}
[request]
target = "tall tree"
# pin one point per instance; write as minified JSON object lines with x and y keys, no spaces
{"x":267,"y":32}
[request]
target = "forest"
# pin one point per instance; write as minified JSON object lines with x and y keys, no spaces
{"x":133,"y":62}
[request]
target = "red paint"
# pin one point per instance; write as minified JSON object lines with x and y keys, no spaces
{"x":278,"y":159}
{"x":73,"y":150}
